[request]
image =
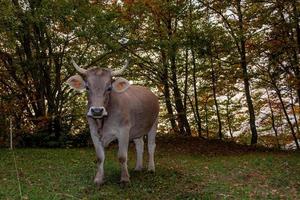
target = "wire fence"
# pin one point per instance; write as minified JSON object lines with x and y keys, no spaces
{"x":18,"y":174}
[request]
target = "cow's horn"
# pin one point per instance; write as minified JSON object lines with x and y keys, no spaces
{"x":79,"y":69}
{"x":120,"y":71}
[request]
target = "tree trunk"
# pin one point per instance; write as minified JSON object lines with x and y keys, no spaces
{"x":286,"y":114}
{"x":296,"y":22}
{"x":273,"y":120}
{"x":294,"y":112}
{"x":290,"y":35}
{"x":166,"y":91}
{"x":214,"y":90}
{"x":186,"y":76}
{"x":197,"y":113}
{"x":206,"y":119}
{"x":183,"y":123}
{"x":243,"y":63}
{"x":228,"y":117}
{"x":197,"y":117}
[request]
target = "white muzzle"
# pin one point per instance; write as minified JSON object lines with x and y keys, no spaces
{"x":97,"y":112}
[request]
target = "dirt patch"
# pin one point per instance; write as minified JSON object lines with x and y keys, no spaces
{"x":195,"y":145}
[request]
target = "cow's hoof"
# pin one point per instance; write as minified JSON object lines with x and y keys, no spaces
{"x":138,"y":169}
{"x":151,"y":171}
{"x":98,"y":182}
{"x":124,"y":184}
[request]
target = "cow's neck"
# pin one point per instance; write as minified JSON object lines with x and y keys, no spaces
{"x":100,"y":123}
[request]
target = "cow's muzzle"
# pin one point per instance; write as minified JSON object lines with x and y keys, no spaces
{"x":97,"y":112}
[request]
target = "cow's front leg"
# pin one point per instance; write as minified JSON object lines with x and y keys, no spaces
{"x":99,"y":178}
{"x":122,"y":155}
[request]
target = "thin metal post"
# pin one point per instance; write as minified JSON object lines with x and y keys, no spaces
{"x":11,"y":133}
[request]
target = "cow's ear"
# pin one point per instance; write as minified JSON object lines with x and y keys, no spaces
{"x":120,"y":85}
{"x":76,"y":82}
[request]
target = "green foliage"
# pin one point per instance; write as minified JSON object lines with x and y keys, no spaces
{"x":188,"y":52}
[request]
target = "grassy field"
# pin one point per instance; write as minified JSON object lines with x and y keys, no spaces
{"x":184,"y":171}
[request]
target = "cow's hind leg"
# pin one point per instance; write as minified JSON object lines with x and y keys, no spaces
{"x":139,"y":146}
{"x":122,"y":155}
{"x":151,"y":147}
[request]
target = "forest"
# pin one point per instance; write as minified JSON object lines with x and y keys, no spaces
{"x":226,"y":70}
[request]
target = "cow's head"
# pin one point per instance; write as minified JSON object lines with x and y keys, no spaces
{"x":99,"y":84}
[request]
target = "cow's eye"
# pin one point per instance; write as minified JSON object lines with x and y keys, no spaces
{"x":109,"y":88}
{"x":86,"y":86}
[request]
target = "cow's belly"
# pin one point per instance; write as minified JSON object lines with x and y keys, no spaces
{"x":141,"y":126}
{"x":137,"y":132}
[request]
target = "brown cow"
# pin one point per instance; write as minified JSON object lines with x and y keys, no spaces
{"x":118,"y":110}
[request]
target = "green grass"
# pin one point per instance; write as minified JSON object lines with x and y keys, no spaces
{"x":68,"y":174}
